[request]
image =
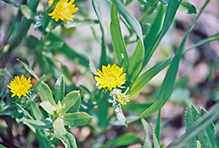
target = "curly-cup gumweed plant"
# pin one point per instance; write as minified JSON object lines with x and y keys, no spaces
{"x":74,"y":73}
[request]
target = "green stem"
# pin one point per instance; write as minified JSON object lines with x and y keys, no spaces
{"x":24,"y":111}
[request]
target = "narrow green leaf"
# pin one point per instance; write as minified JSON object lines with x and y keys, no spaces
{"x":158,"y":126}
{"x":151,"y":37}
{"x":168,"y":19}
{"x":58,"y":125}
{"x":39,"y":124}
{"x":46,"y":94}
{"x":119,"y":114}
{"x":48,"y":107}
{"x":1,"y":146}
{"x":28,"y":69}
{"x":128,"y":2}
{"x":187,"y":7}
{"x":67,"y":139}
{"x":126,"y":139}
{"x":155,"y":141}
{"x":11,"y":3}
{"x":147,"y":141}
{"x":117,"y":40}
{"x":69,"y":100}
{"x":59,"y":89}
{"x":131,"y":20}
{"x":36,"y":113}
{"x":169,"y":80}
{"x":76,"y":119}
{"x":141,"y":81}
{"x":170,"y":13}
{"x":21,"y":32}
{"x":27,"y":12}
{"x":135,"y":63}
{"x":204,"y":41}
{"x":103,"y":57}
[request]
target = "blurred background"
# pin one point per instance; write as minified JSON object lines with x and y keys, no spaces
{"x":197,"y":80}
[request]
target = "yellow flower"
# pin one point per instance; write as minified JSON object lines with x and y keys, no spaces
{"x":111,"y":77}
{"x":20,"y":86}
{"x":63,"y":10}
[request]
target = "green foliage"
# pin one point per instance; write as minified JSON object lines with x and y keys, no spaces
{"x":206,"y":137}
{"x":123,"y":140}
{"x":63,"y":94}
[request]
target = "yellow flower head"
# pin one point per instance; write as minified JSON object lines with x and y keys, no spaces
{"x":20,"y":86}
{"x":63,"y":10}
{"x":111,"y":77}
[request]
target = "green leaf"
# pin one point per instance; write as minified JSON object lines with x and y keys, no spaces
{"x":128,"y":2}
{"x":164,"y":1}
{"x":44,"y":142}
{"x":117,"y":40}
{"x":135,"y":63}
{"x":28,"y":69}
{"x":204,"y":41}
{"x":158,"y":126}
{"x":147,"y":141}
{"x":199,"y":125}
{"x":69,"y":100}
{"x":58,"y":125}
{"x":155,"y":141}
{"x":103,"y":57}
{"x":169,"y":80}
{"x":36,"y":113}
{"x":48,"y":107}
{"x":207,"y":137}
{"x":1,"y":146}
{"x":59,"y":89}
{"x":39,"y":124}
{"x":187,"y":7}
{"x":11,"y":3}
{"x":190,"y":117}
{"x":46,"y":94}
{"x":130,"y":19}
{"x":138,"y":108}
{"x":170,"y":13}
{"x":67,"y":139}
{"x":76,"y":106}
{"x":126,"y":139}
{"x":141,"y":81}
{"x":151,"y":38}
{"x":119,"y":114}
{"x":27,"y":12}
{"x":76,"y":119}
